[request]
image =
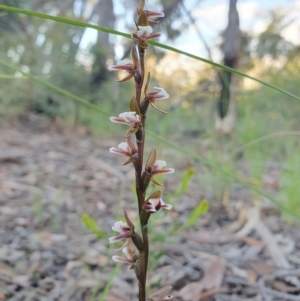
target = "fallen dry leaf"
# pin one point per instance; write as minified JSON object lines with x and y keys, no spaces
{"x":214,"y":274}
{"x":260,"y":267}
{"x":284,"y":287}
{"x":212,"y":292}
{"x":190,"y":292}
{"x":212,"y":280}
{"x":252,"y":241}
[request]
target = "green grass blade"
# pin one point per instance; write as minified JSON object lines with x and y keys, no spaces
{"x":185,"y":181}
{"x":198,"y":58}
{"x":105,"y":292}
{"x":184,"y":151}
{"x":91,"y":225}
{"x":200,"y":210}
{"x":166,"y":47}
{"x":223,"y":172}
{"x":63,"y":20}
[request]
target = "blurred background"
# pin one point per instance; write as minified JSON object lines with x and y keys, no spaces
{"x":261,"y":40}
{"x":233,"y":141}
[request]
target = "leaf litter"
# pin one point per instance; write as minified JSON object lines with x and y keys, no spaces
{"x":50,"y":176}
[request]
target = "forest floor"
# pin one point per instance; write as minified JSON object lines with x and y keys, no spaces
{"x":49,"y":176}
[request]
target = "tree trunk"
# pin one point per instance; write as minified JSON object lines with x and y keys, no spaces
{"x":103,"y":15}
{"x":231,"y":47}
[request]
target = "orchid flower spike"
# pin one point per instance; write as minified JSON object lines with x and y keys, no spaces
{"x":125,"y":65}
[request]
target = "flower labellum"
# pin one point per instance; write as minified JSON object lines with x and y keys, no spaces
{"x":143,"y":34}
{"x":127,"y":149}
{"x":160,"y":94}
{"x":158,"y":168}
{"x":125,"y":65}
{"x":128,"y":118}
{"x":153,"y":205}
{"x":122,"y":149}
{"x":131,"y":253}
{"x":123,"y":229}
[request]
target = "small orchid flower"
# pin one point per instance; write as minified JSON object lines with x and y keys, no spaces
{"x":154,"y":167}
{"x":143,"y":34}
{"x":160,"y":94}
{"x":128,"y":118}
{"x":159,"y":168}
{"x":125,"y":65}
{"x":153,"y":205}
{"x":132,"y":254}
{"x":130,"y":67}
{"x":127,"y":149}
{"x":122,"y":149}
{"x":152,"y":97}
{"x":123,"y":229}
{"x":155,"y":14}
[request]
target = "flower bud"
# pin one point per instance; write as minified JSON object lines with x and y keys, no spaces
{"x":151,"y":161}
{"x":140,"y":7}
{"x":128,"y":221}
{"x":142,"y":21}
{"x":134,"y":57}
{"x":147,"y":84}
{"x":133,"y":106}
{"x":138,"y":241}
{"x":131,"y":145}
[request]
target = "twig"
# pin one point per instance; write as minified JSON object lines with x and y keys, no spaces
{"x":266,"y":292}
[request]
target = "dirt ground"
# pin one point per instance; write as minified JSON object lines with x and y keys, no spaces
{"x":50,"y":176}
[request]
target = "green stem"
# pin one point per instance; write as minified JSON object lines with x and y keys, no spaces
{"x":140,"y":139}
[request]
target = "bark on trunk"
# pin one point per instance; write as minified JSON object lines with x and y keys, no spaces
{"x":231,"y":48}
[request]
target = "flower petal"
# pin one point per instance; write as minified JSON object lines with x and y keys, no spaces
{"x":128,"y":118}
{"x":125,"y":65}
{"x":158,"y":168}
{"x":121,"y":259}
{"x":159,"y":164}
{"x":165,"y":171}
{"x":144,"y":31}
{"x":156,"y":14}
{"x":153,"y":205}
{"x":119,"y":226}
{"x":119,"y":237}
